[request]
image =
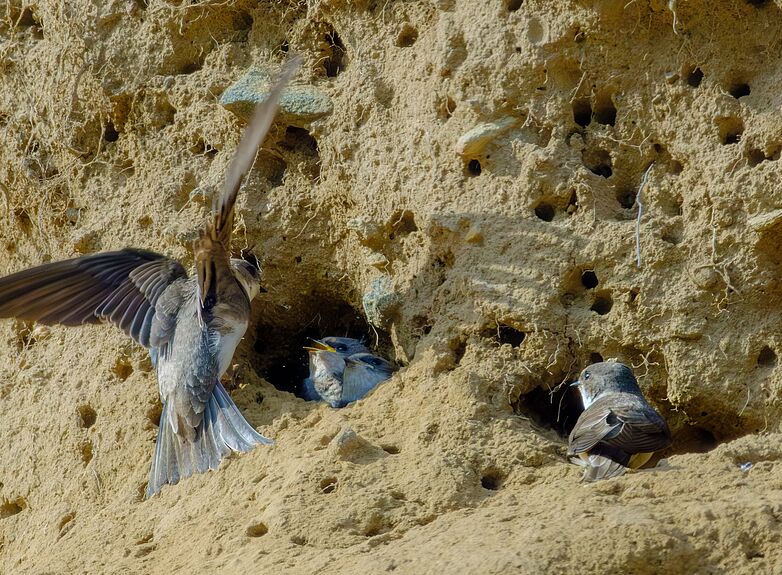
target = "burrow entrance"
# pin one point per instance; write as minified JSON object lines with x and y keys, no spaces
{"x":278,"y":350}
{"x":557,"y":408}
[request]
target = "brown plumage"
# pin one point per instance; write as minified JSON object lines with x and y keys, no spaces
{"x":190,"y":325}
{"x":213,"y":246}
{"x":618,"y":428}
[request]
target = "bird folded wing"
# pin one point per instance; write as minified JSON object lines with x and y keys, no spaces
{"x":594,"y":425}
{"x":121,"y":287}
{"x":629,"y":428}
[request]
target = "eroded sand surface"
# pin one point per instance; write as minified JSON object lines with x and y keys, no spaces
{"x":491,"y":276}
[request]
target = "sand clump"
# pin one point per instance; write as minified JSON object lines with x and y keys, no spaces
{"x":465,"y":199}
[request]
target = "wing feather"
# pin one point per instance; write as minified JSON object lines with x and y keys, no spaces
{"x":121,"y":287}
{"x":629,"y":425}
{"x":211,"y":251}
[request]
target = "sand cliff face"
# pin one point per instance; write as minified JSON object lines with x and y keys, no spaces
{"x":457,"y":182}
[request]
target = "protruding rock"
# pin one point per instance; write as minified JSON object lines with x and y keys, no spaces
{"x":472,"y":143}
{"x":765,"y":222}
{"x":379,"y":301}
{"x":302,"y":103}
{"x":347,"y":445}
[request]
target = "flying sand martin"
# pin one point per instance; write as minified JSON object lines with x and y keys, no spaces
{"x":618,"y":428}
{"x":190,"y":325}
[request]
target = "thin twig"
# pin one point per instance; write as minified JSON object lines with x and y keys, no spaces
{"x":641,"y":187}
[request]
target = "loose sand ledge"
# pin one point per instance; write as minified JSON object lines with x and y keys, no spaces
{"x":461,"y":175}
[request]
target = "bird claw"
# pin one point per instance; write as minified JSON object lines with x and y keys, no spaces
{"x":232,"y":378}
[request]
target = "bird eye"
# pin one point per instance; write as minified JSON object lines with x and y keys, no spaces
{"x":340,"y":347}
{"x":587,"y":375}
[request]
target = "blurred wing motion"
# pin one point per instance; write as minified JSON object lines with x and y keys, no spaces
{"x":214,"y":244}
{"x":121,"y":287}
{"x":612,"y":435}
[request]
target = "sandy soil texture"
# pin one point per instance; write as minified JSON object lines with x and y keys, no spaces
{"x":462,"y":192}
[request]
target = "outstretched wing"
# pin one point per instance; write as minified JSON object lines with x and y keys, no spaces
{"x":121,"y":287}
{"x":630,"y":426}
{"x":206,"y":251}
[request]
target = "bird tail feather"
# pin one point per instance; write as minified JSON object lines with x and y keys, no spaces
{"x":223,"y":429}
{"x":603,"y":462}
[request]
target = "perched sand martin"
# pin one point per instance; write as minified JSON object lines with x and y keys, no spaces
{"x":190,"y":325}
{"x":327,"y":365}
{"x":617,"y":429}
{"x":363,"y":371}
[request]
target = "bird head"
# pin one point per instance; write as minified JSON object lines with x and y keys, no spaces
{"x":605,"y":377}
{"x":343,"y":346}
{"x":249,"y":276}
{"x":370,"y":362}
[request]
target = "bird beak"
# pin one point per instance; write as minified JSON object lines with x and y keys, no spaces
{"x":318,"y":345}
{"x":575,"y":383}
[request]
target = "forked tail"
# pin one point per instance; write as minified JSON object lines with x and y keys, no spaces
{"x":223,"y":429}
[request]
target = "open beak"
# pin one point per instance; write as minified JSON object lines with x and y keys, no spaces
{"x":318,"y":345}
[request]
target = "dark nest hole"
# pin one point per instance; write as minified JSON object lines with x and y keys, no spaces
{"x":757,"y":156}
{"x":598,"y":162}
{"x":300,"y":142}
{"x":202,"y":148}
{"x":582,"y":112}
{"x":626,"y":198}
{"x":545,"y":211}
{"x":87,"y":416}
{"x":605,"y":110}
{"x":474,"y":168}
{"x":603,"y":303}
{"x":445,"y":107}
{"x":589,"y":279}
{"x":279,"y":354}
{"x":257,"y":530}
{"x":336,"y":61}
{"x":730,"y":130}
{"x":110,"y":133}
{"x":767,"y":357}
{"x":693,"y":439}
{"x":694,"y":77}
{"x":402,"y":224}
{"x":190,"y":67}
{"x":739,"y":90}
{"x":512,"y":5}
{"x":491,"y":479}
{"x":557,"y":409}
{"x":12,"y":507}
{"x":504,"y":334}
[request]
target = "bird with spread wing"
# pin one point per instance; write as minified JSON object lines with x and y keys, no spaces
{"x":191,"y":325}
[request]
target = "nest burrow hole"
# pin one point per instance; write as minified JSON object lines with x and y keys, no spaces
{"x":554,"y":406}
{"x":278,"y":349}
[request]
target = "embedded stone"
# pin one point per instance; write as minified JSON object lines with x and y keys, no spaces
{"x":473,"y":142}
{"x":302,"y":103}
